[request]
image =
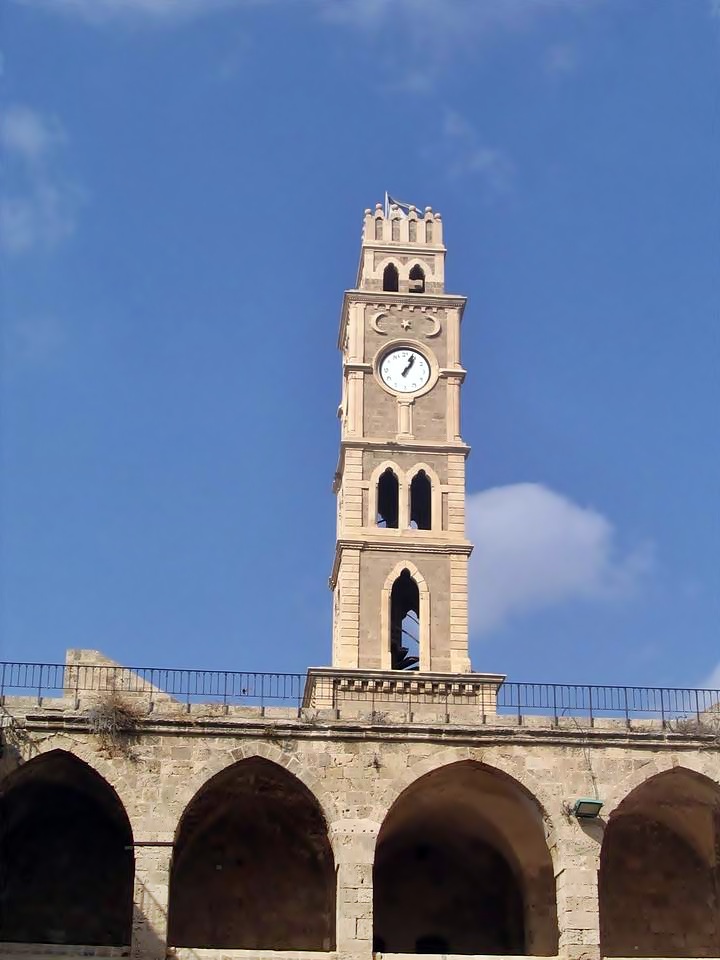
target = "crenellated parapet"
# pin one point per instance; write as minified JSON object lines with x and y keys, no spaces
{"x":402,"y":225}
{"x":406,"y":240}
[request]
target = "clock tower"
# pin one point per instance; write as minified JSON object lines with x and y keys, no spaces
{"x":399,"y":577}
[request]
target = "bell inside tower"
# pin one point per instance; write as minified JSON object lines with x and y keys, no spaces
{"x":404,"y":623}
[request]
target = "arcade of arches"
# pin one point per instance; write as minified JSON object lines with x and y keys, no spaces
{"x":461,"y":865}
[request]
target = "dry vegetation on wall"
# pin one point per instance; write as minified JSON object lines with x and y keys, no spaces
{"x":114,"y":718}
{"x":706,"y":725}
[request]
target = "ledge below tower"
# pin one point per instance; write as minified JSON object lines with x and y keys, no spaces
{"x":417,"y":694}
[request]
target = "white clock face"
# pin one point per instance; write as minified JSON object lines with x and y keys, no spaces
{"x":404,"y":370}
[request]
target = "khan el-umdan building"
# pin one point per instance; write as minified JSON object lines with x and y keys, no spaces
{"x":394,"y":803}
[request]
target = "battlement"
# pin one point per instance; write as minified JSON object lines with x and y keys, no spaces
{"x":402,"y":251}
{"x":393,"y":225}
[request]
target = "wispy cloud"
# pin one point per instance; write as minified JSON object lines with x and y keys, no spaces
{"x":712,"y":680}
{"x":39,"y":204}
{"x":413,"y":20}
{"x":561,"y":59}
{"x":535,"y":548}
{"x":33,"y":341}
{"x":465,"y":154}
{"x":99,"y":11}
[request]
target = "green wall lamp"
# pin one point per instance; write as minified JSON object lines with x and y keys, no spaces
{"x":587,"y":808}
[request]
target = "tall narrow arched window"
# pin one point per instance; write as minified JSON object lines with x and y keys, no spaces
{"x":378,"y":228}
{"x":421,"y":501}
{"x":388,"y":500}
{"x":390,"y":278}
{"x":404,"y":623}
{"x":417,"y":279}
{"x":412,"y":230}
{"x":428,"y":231}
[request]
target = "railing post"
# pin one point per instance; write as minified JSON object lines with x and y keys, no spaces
{"x":555,"y":713}
{"x":627,"y":713}
{"x":662,"y":707}
{"x":697,"y":705}
{"x":590,"y":704}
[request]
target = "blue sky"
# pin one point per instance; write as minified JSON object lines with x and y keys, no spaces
{"x":184,"y":183}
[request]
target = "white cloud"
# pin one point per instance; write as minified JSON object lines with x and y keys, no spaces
{"x":39,"y":203}
{"x":535,"y":548}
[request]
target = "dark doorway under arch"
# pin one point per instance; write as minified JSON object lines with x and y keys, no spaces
{"x":252,"y":865}
{"x":658,"y":881}
{"x":461,"y":866}
{"x":66,"y":856}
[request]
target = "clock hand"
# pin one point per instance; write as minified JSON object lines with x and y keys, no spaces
{"x":411,"y":361}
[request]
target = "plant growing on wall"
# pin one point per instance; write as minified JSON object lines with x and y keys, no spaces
{"x":114,"y":718}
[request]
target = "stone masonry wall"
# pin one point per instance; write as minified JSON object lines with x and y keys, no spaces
{"x":356,"y":768}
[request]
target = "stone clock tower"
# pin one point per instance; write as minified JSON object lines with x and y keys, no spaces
{"x":400,"y":572}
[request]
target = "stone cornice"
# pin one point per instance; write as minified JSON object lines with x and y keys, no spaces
{"x":526,"y":730}
{"x":384,"y":299}
{"x":387,"y":544}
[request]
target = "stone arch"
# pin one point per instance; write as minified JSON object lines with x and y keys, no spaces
{"x":616,"y":792}
{"x":659,"y":869}
{"x":462,"y":866}
{"x":253,"y":865}
{"x":67,"y":851}
{"x":423,"y":614}
{"x":113,"y":773}
{"x":420,"y":264}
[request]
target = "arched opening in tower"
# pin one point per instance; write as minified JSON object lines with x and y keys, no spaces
{"x":404,"y":623}
{"x":417,"y":279}
{"x":66,"y":856}
{"x":388,"y":500}
{"x":659,"y":876}
{"x":390,"y":278}
{"x":421,"y":501}
{"x":462,"y":867}
{"x":253,"y":868}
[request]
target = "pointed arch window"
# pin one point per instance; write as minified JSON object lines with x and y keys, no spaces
{"x":378,"y":228}
{"x":390,"y":278}
{"x":421,"y":501}
{"x":388,"y":500}
{"x":412,"y":230}
{"x":417,"y":279}
{"x":404,"y":623}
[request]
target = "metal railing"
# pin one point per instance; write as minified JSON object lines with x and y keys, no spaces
{"x":79,"y":681}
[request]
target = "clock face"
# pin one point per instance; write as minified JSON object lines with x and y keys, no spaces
{"x":404,"y":370}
